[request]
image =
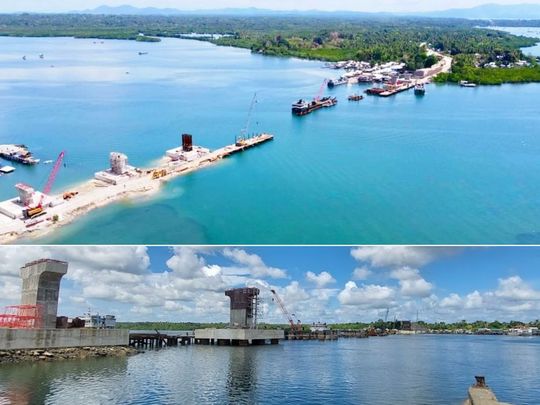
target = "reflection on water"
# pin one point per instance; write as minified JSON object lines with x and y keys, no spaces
{"x":396,"y":369}
{"x":242,"y":376}
{"x":63,"y":382}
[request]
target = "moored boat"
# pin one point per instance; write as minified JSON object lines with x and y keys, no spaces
{"x":355,"y":97}
{"x":465,"y":83}
{"x":17,"y":153}
{"x":337,"y":82}
{"x":419,"y":89}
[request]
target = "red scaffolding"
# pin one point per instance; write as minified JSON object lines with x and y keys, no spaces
{"x":21,"y":317}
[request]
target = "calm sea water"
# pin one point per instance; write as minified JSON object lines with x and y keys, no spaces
{"x":456,"y":166}
{"x":409,"y":370}
{"x":533,"y":32}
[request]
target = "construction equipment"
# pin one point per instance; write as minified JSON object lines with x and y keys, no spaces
{"x":296,"y":326}
{"x":241,"y":139}
{"x":321,"y":89}
{"x":32,"y":212}
{"x":68,"y":195}
{"x":158,"y":173}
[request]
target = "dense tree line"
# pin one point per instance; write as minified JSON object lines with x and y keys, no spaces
{"x":331,"y":38}
{"x":380,"y":324}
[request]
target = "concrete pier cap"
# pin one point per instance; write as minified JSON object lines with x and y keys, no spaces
{"x":41,"y":287}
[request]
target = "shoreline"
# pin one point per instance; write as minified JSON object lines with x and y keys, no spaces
{"x":68,"y":353}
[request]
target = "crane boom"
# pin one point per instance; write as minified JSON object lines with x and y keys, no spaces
{"x":295,"y":327}
{"x":52,"y":177}
{"x":321,"y":89}
{"x":244,"y":130}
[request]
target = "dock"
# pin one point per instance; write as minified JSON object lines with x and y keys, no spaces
{"x":481,"y":394}
{"x":118,"y":182}
{"x":157,"y":339}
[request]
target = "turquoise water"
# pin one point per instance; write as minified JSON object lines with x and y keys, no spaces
{"x":428,"y":370}
{"x":533,"y":32}
{"x":456,"y":166}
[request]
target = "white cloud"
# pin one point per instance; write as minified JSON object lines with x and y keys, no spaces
{"x":369,"y":296}
{"x":398,"y":256}
{"x":321,"y":280}
{"x":411,"y":282}
{"x":252,"y":264}
{"x":361,"y":273}
{"x":515,"y":289}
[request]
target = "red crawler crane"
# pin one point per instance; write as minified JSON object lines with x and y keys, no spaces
{"x":31,"y":212}
{"x":296,"y":327}
{"x":321,"y":89}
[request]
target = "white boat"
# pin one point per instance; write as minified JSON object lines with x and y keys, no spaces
{"x":6,"y":169}
{"x":465,"y":83}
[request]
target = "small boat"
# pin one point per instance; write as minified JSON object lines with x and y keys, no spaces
{"x":47,"y":162}
{"x":41,"y":56}
{"x":143,"y":53}
{"x":24,"y":57}
{"x":355,"y":97}
{"x":465,"y":83}
{"x":419,"y":89}
{"x":6,"y":169}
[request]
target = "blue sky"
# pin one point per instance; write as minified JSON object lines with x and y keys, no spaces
{"x":356,"y":5}
{"x":317,"y":283}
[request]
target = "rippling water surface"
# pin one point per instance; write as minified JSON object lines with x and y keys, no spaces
{"x":409,"y":370}
{"x":456,"y":166}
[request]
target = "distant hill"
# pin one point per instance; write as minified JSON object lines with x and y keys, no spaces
{"x":486,"y":11}
{"x":492,"y":11}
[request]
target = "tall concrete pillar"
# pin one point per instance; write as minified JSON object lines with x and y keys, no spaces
{"x":244,"y":303}
{"x":41,"y":285}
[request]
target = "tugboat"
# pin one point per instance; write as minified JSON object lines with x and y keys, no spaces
{"x":419,"y":89}
{"x":355,"y":97}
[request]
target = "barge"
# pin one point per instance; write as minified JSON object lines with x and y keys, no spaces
{"x":302,"y":107}
{"x":17,"y":153}
{"x":337,"y":82}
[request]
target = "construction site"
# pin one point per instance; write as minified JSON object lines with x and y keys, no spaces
{"x":33,"y":213}
{"x":35,"y":324}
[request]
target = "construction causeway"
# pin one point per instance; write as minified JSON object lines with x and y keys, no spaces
{"x":112,"y":185}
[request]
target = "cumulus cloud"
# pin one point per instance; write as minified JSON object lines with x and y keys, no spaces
{"x":253,"y":264}
{"x":411,"y":282}
{"x":361,"y":273}
{"x":321,"y":280}
{"x":399,"y":256}
{"x":515,"y":289}
{"x":368,"y":296}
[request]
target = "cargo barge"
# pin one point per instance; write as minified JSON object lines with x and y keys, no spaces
{"x":302,"y":107}
{"x":17,"y":153}
{"x":337,"y":82}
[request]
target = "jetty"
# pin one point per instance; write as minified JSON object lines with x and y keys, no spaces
{"x":117,"y":182}
{"x":157,"y":339}
{"x":481,"y":394}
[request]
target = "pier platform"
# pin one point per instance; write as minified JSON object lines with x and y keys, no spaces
{"x":159,"y":339}
{"x":12,"y":339}
{"x":481,"y":394}
{"x":238,"y":337}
